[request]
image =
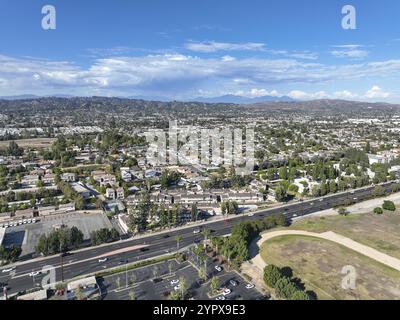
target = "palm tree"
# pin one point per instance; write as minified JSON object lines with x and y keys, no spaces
{"x":214,"y":285}
{"x":202,"y":274}
{"x":227,"y":253}
{"x":170,"y":267}
{"x":118,"y":282}
{"x":132,"y":295}
{"x":132,"y":279}
{"x":178,"y":239}
{"x":182,"y":284}
{"x":206,"y":233}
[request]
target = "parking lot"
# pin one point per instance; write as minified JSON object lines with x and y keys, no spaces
{"x":26,"y":235}
{"x":154,"y":283}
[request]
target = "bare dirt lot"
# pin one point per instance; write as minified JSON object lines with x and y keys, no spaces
{"x":38,"y":143}
{"x":380,"y":232}
{"x":319,"y":264}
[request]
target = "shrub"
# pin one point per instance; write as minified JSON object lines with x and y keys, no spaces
{"x":389,"y":205}
{"x":300,"y":295}
{"x":271,"y":275}
{"x":285,"y":288}
{"x":378,"y":210}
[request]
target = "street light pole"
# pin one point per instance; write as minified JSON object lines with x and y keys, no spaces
{"x":62,"y":267}
{"x":126,"y":272}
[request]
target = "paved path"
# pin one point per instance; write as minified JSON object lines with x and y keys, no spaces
{"x":330,"y":236}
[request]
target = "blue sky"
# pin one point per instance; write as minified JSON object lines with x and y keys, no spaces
{"x":181,"y":49}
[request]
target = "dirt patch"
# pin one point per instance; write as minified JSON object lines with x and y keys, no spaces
{"x":38,"y":143}
{"x":319,"y":264}
{"x":380,"y":232}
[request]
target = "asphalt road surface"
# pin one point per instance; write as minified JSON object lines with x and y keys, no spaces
{"x":87,"y":261}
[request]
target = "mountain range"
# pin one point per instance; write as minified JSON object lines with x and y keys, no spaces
{"x":230,"y":98}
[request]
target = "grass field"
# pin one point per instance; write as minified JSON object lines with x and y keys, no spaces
{"x":381,"y":232}
{"x":318,"y":263}
{"x":39,"y":143}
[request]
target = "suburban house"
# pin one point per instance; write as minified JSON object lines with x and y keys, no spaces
{"x":110,"y":193}
{"x":68,"y":177}
{"x":23,"y":214}
{"x":48,"y":178}
{"x":30,"y":180}
{"x":200,"y":198}
{"x":243,"y":197}
{"x":120,"y":192}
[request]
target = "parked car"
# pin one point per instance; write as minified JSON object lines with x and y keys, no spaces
{"x":218,"y":268}
{"x":234,"y":283}
{"x":174,"y":282}
{"x":220,"y":298}
{"x":226,"y":292}
{"x":249,"y":286}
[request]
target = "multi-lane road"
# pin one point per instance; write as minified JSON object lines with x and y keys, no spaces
{"x":86,"y":261}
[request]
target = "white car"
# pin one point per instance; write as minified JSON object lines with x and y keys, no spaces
{"x":103,"y":260}
{"x":251,"y":214}
{"x":220,"y":298}
{"x":218,"y":268}
{"x":249,"y":286}
{"x":197,"y":231}
{"x":226,"y":292}
{"x":34,"y":273}
{"x":7,"y":270}
{"x":174,"y":282}
{"x":295,"y":215}
{"x":177,"y":287}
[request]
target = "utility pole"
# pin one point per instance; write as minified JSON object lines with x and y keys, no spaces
{"x":62,"y":266}
{"x":126,"y":272}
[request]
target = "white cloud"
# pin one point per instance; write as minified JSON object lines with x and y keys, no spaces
{"x":228,"y":58}
{"x":301,"y":95}
{"x":262,"y":92}
{"x":354,"y":54}
{"x":376,"y":92}
{"x":212,"y":46}
{"x":352,"y":51}
{"x":180,"y":75}
{"x":345,"y":94}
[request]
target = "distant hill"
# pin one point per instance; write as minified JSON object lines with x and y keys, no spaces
{"x":230,"y":98}
{"x":120,"y":105}
{"x":342,"y":106}
{"x":20,"y":97}
{"x":32,"y":96}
